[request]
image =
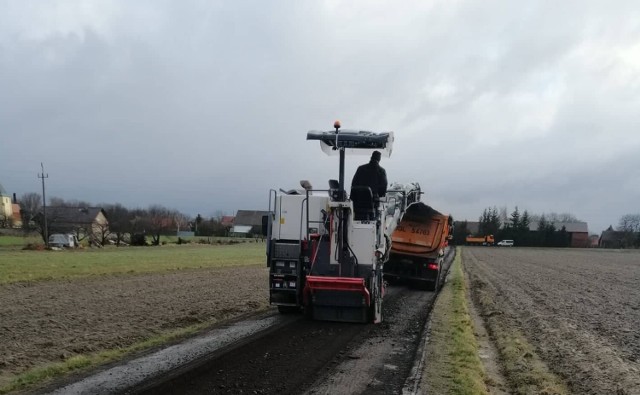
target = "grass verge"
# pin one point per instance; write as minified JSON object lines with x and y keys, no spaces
{"x":523,"y":368}
{"x":453,"y":365}
{"x":50,"y":265}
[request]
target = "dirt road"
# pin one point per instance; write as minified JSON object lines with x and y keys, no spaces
{"x":317,"y":357}
{"x":579,"y":308}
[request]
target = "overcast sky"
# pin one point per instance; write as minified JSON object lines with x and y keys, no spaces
{"x":203,"y":106}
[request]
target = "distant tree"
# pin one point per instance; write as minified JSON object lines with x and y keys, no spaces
{"x":546,"y":232}
{"x":210,"y":227}
{"x":525,"y":221}
{"x":630,"y":225}
{"x":542,"y":223}
{"x":218,"y":215}
{"x":119,"y":219}
{"x":159,"y":222}
{"x":562,"y":217}
{"x":460,"y":233}
{"x":494,"y":221}
{"x":30,"y":205}
{"x":205,"y":226}
{"x":489,"y":222}
{"x":180,"y":220}
{"x":136,"y":221}
{"x":515,"y":218}
{"x":53,"y":219}
{"x":138,"y":239}
{"x":563,"y":238}
{"x":60,"y":202}
{"x":197,"y":223}
{"x":5,"y":221}
{"x":484,"y":222}
{"x":504,"y":218}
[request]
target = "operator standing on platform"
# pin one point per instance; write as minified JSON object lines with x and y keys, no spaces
{"x":372,"y":175}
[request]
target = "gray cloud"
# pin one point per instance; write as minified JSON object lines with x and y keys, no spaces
{"x":204,"y":106}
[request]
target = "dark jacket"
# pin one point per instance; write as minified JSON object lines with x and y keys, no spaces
{"x":371,"y":175}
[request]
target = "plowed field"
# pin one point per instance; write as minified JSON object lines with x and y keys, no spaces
{"x":580,"y":309}
{"x":46,"y":322}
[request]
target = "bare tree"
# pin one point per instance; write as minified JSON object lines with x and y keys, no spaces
{"x":218,"y":215}
{"x":5,"y":221}
{"x":100,"y":233}
{"x":53,"y":218}
{"x":55,"y":201}
{"x":30,"y":205}
{"x":562,"y":217}
{"x":181,"y":221}
{"x":60,"y":202}
{"x":555,"y":217}
{"x":119,"y":218}
{"x":159,"y":221}
{"x":629,"y":223}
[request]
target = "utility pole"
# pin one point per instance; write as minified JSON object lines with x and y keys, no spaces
{"x":44,"y":207}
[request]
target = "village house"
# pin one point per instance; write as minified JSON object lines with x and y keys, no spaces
{"x":610,"y":238}
{"x":84,"y":222}
{"x":247,"y":223}
{"x":9,"y":210}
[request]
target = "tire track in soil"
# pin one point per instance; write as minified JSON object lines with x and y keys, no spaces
{"x":564,"y":302}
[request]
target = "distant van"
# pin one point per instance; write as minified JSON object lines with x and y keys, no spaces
{"x":63,"y":240}
{"x":505,"y":243}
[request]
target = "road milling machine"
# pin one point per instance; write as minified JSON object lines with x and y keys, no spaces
{"x":327,"y":248}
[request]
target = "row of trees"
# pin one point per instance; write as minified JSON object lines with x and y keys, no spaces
{"x":517,"y":227}
{"x":629,"y":226}
{"x":123,"y":222}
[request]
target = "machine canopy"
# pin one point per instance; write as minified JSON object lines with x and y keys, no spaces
{"x":353,"y":141}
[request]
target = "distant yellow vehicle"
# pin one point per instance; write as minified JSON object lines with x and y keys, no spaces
{"x":484,"y":241}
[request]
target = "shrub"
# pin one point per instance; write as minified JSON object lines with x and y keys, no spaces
{"x":138,"y":239}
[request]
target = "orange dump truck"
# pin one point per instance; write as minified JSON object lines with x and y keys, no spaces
{"x":418,"y":245}
{"x":479,"y":240}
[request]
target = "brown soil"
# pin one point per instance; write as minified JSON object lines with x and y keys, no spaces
{"x":580,"y":309}
{"x":46,"y":322}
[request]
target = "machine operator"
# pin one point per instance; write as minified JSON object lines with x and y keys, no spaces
{"x":372,"y":175}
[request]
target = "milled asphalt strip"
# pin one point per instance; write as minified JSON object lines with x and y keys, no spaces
{"x":119,"y":378}
{"x":412,"y":384}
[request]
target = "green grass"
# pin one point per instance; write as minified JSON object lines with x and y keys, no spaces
{"x":454,"y":366}
{"x":468,"y":373}
{"x":17,"y":265}
{"x":38,"y":375}
{"x":19,"y":241}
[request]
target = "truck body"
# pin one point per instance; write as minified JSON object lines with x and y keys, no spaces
{"x":326,"y":247}
{"x":480,"y":240}
{"x":418,"y":246}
